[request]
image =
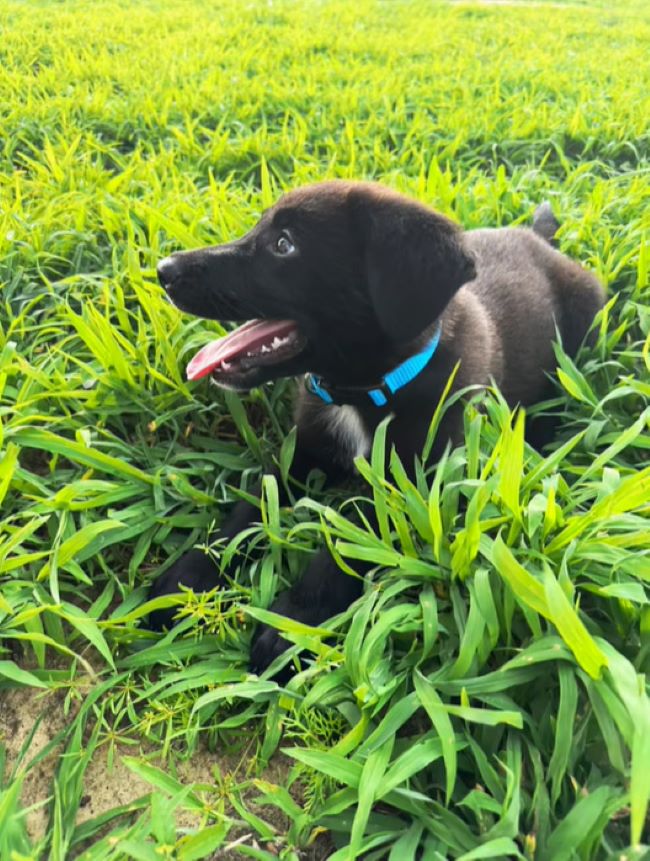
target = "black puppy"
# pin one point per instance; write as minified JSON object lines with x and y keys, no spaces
{"x":376,"y":298}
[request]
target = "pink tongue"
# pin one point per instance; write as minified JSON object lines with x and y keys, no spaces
{"x":246,"y":339}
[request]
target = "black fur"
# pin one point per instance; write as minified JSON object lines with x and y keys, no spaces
{"x":371,"y":275}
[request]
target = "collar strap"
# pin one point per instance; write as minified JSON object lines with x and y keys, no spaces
{"x":380,"y":393}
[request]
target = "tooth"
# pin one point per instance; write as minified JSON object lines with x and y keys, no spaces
{"x":225,"y":366}
{"x":265,"y":349}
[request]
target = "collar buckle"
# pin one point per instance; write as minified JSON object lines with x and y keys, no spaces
{"x":341,"y":395}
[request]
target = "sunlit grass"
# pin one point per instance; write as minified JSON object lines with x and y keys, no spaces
{"x":486,"y":698}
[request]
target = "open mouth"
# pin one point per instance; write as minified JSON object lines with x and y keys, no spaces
{"x":253,"y":345}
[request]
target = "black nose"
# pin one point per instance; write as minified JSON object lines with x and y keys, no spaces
{"x":168,"y":271}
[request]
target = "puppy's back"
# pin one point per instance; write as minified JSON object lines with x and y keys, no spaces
{"x":528,"y":289}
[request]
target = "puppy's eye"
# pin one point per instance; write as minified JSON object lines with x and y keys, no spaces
{"x":284,"y":244}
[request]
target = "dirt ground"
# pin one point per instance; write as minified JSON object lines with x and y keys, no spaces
{"x":105,"y":787}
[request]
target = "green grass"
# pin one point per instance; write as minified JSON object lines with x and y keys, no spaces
{"x":486,"y":698}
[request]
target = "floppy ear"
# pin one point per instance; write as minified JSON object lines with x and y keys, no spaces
{"x":414,"y":259}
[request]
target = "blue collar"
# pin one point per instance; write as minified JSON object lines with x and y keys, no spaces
{"x":401,"y":376}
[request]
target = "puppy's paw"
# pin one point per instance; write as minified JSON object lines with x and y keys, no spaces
{"x":267,"y":645}
{"x":196,"y":570}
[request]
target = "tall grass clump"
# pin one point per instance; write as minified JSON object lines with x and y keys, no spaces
{"x":487,"y":696}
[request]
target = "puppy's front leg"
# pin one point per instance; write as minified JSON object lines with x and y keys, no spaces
{"x":323,"y":591}
{"x":197,"y":570}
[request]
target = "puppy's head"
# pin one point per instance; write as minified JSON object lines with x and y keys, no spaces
{"x":337,"y":278}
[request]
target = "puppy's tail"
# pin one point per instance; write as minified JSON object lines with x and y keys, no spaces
{"x":545,"y":224}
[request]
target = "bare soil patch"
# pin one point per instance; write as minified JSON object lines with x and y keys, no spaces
{"x":107,"y":787}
